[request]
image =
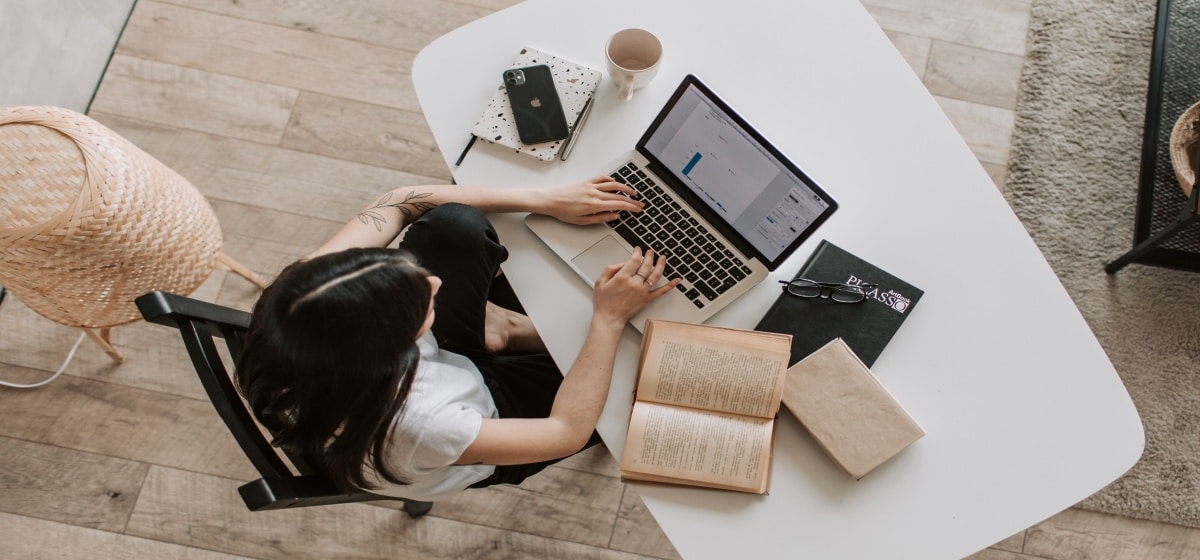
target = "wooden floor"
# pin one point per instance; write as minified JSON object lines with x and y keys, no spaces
{"x":289,"y":115}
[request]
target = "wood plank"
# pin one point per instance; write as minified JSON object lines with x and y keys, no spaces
{"x":1077,"y":534}
{"x":997,"y":25}
{"x":267,"y":240}
{"x":636,"y":530}
{"x":155,"y":357}
{"x":295,"y":58}
{"x":194,"y":99}
{"x":408,"y":25}
{"x":24,"y":537}
{"x":998,"y":554}
{"x":365,"y":133}
{"x":255,"y":174}
{"x":1015,"y":543}
{"x":557,"y":503}
{"x":987,"y":130}
{"x":596,"y":460}
{"x":914,"y":49}
{"x":973,"y":74}
{"x":123,"y":422}
{"x":490,"y":4}
{"x":89,"y":490}
{"x":204,"y":511}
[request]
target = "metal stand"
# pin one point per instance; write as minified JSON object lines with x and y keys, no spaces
{"x":1187,"y":216}
{"x":1165,"y":233}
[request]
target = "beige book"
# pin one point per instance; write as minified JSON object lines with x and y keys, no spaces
{"x":705,"y":406}
{"x":845,"y":408}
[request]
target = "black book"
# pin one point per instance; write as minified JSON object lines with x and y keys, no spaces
{"x":867,"y":327}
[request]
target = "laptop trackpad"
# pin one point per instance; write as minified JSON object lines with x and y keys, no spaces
{"x":605,"y":252}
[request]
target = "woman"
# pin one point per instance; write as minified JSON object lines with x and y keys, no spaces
{"x":411,"y":372}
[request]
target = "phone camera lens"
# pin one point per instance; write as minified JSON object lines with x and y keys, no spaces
{"x":514,"y":77}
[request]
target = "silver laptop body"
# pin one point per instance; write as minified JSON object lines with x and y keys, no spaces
{"x":722,"y":203}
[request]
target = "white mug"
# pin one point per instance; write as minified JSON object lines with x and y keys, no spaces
{"x":633,"y":57}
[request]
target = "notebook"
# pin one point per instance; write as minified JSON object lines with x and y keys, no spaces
{"x":847,"y":410}
{"x":575,"y":83}
{"x":722,"y":203}
{"x":866,"y":327}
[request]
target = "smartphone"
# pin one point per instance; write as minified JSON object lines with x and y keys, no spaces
{"x":537,"y":110}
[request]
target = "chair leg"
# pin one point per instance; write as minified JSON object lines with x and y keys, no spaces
{"x":226,"y":262}
{"x":1187,"y":216}
{"x":103,"y":337}
{"x":416,"y":509}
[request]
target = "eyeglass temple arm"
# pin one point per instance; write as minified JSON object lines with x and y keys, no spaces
{"x":829,"y":284}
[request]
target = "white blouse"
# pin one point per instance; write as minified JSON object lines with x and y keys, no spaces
{"x":440,"y":418}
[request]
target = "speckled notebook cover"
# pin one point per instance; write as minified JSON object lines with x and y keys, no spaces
{"x":575,"y":84}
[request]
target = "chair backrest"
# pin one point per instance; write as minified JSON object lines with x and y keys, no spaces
{"x":201,"y":323}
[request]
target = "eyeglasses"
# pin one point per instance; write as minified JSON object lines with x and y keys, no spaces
{"x":841,"y":293}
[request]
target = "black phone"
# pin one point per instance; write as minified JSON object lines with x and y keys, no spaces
{"x":537,"y":110}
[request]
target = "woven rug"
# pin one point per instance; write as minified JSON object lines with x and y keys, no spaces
{"x":1072,"y":180}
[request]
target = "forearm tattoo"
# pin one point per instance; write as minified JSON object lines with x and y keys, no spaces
{"x":410,"y":207}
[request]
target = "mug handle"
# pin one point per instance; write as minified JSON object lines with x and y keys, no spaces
{"x":626,"y":88}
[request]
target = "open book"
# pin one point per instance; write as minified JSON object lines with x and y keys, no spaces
{"x":704,"y":412}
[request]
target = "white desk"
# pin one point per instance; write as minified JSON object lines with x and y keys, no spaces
{"x":1025,"y":414}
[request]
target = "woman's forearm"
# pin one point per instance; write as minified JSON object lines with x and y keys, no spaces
{"x":380,"y":222}
{"x":573,"y":416}
{"x":620,"y":292}
{"x":584,"y":390}
{"x":595,"y":200}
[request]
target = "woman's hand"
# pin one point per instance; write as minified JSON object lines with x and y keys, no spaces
{"x":593,"y":201}
{"x":621,"y":291}
{"x":625,"y":288}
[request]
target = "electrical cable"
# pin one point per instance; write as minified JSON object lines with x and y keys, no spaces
{"x":61,"y":369}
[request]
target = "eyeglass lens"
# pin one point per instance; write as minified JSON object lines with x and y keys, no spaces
{"x":840,"y":293}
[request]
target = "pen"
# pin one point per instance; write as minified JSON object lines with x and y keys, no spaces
{"x":570,"y":143}
{"x":470,"y":143}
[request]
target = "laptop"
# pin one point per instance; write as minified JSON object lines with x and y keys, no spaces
{"x":721,"y":202}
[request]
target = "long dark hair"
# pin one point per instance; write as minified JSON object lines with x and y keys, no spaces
{"x":330,"y":355}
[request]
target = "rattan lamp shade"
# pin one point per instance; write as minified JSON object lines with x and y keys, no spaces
{"x":88,"y":221}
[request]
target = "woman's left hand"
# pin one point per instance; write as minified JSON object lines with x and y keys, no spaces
{"x":593,"y":201}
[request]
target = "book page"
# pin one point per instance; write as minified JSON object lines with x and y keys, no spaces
{"x":720,"y":450}
{"x":713,"y":368}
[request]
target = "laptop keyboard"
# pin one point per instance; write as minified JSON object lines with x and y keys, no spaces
{"x":703,"y":262}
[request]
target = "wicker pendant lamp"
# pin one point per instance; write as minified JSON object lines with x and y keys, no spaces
{"x":88,"y":222}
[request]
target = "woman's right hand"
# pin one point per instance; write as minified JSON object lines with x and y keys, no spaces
{"x":625,"y":288}
{"x":621,"y":291}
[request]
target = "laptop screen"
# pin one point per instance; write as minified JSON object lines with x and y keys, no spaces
{"x":730,"y":168}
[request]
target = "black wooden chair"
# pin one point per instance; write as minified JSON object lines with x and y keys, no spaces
{"x":201,"y":323}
